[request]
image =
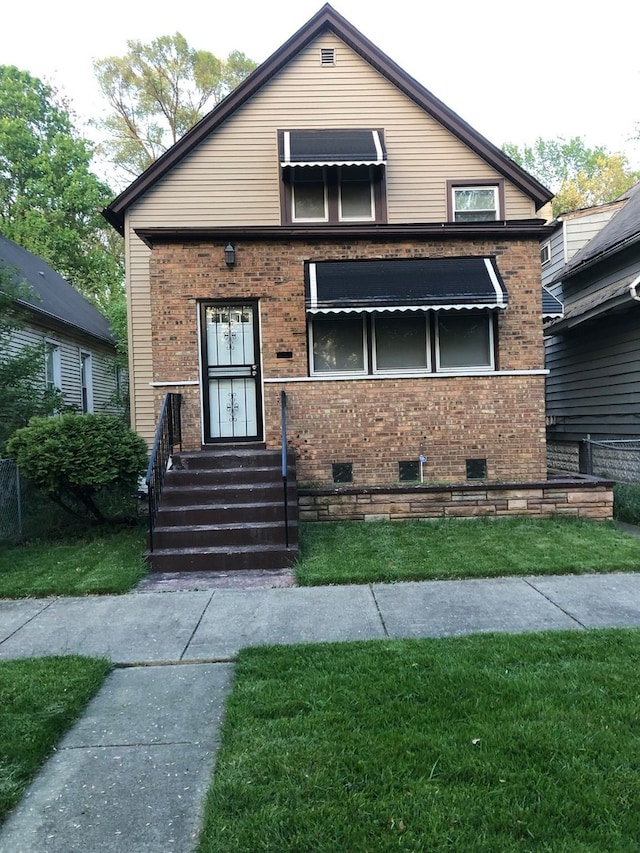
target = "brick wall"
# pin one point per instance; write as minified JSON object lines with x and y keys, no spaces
{"x":373,"y":424}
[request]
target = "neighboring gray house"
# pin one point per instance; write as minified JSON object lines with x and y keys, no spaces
{"x":80,"y":353}
{"x":592,"y":263}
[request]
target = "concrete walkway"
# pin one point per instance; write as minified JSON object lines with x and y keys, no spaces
{"x":131,"y":775}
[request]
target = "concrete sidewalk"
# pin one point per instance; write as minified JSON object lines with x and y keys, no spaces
{"x":131,"y":776}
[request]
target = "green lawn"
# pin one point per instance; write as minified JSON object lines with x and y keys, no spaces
{"x":477,"y":744}
{"x":39,"y":701}
{"x":93,"y":562}
{"x":357,"y":552}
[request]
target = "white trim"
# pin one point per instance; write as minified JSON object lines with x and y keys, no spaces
{"x":633,"y":288}
{"x":86,"y":367}
{"x":358,"y":377}
{"x":378,"y":145}
{"x":472,"y":306}
{"x":287,"y":148}
{"x":169,"y":384}
{"x":493,"y":278}
{"x":313,"y":288}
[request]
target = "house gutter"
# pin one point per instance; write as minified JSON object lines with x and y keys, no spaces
{"x":633,"y":289}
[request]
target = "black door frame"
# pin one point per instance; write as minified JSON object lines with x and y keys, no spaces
{"x":255,"y":371}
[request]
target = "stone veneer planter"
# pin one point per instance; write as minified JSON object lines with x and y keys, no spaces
{"x":579,"y":497}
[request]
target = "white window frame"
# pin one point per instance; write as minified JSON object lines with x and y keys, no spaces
{"x":545,"y":253}
{"x":295,"y":218}
{"x":480,"y":188}
{"x":479,"y":368}
{"x":52,"y":350}
{"x":86,"y":380}
{"x":372,"y":201}
{"x":401,"y":370}
{"x":365,"y":354}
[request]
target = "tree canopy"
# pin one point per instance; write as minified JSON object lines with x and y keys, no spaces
{"x":157,"y":92}
{"x":50,"y":201}
{"x":579,"y":176}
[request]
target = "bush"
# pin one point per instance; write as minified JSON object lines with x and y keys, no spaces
{"x":626,"y":502}
{"x":73,"y":458}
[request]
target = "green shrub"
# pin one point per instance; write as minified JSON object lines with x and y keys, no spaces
{"x":73,"y":458}
{"x":626,"y":502}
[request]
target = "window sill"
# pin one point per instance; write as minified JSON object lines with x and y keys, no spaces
{"x":366,"y":377}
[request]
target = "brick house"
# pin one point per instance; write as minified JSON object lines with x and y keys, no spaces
{"x":334,"y":231}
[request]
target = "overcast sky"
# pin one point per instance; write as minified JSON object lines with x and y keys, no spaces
{"x":514,"y":71}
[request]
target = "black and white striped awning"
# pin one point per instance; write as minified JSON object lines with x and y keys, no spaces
{"x":436,"y":284}
{"x":332,"y":148}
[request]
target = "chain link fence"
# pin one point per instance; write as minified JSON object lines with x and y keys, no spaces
{"x":24,"y":511}
{"x":617,"y":460}
{"x":11,"y":524}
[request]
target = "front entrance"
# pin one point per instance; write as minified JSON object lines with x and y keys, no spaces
{"x":231,"y":372}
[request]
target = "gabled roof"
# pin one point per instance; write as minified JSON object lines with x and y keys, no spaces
{"x":621,"y":231}
{"x":54,"y":299}
{"x":326,"y":20}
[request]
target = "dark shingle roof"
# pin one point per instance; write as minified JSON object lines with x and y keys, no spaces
{"x":53,"y":297}
{"x":622,"y":229}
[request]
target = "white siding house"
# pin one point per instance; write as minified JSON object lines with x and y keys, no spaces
{"x":80,"y":354}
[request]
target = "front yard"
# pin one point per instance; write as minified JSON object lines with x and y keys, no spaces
{"x":379,"y":552}
{"x":476,"y":744}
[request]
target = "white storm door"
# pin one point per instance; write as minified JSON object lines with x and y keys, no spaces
{"x":231,"y":372}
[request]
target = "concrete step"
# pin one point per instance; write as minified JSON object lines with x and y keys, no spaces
{"x":225,"y":535}
{"x":221,"y":559}
{"x":224,"y":513}
{"x":185,"y":494}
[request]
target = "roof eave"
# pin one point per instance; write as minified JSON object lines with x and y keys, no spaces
{"x":504,"y":229}
{"x":326,"y":19}
{"x":61,"y":323}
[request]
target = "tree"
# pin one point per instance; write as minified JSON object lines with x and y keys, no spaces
{"x":50,"y":201}
{"x":22,"y":384}
{"x":157,"y":92}
{"x":579,"y":176}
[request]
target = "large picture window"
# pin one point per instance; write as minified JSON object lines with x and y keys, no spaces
{"x":464,"y":342}
{"x":401,"y":343}
{"x":338,"y":344}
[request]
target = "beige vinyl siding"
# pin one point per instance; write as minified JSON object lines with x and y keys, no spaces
{"x":233,"y":177}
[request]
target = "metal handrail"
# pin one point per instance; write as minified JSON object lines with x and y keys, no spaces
{"x":168,"y":435}
{"x":283,"y":436}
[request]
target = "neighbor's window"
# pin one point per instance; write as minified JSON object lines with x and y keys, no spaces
{"x":464,"y":341}
{"x":401,"y":342}
{"x":545,"y":253}
{"x":338,"y":343}
{"x":52,"y":370}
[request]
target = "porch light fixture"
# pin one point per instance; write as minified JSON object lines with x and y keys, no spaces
{"x":229,"y":255}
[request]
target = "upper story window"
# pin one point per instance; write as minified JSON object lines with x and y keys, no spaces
{"x":481,"y":201}
{"x":332,"y":176}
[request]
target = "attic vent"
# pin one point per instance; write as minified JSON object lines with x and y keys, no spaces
{"x":327,"y":56}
